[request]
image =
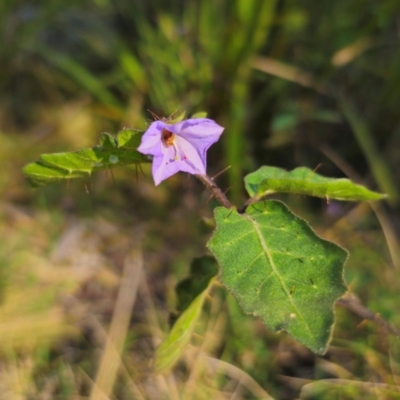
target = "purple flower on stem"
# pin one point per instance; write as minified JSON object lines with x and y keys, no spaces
{"x":179,"y":147}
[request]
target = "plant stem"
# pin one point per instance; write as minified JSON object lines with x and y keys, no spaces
{"x":215,"y":190}
{"x":352,"y":303}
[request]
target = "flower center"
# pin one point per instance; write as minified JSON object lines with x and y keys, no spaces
{"x":167,"y":137}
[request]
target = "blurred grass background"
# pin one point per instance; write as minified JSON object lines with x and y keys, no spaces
{"x":294,"y":83}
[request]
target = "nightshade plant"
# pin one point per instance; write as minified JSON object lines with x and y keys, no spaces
{"x":271,"y":260}
{"x":179,"y":147}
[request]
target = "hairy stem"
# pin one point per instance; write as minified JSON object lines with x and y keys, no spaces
{"x":215,"y":190}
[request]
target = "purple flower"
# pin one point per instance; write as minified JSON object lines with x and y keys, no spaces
{"x":179,"y":147}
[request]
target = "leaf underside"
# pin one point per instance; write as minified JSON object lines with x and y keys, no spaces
{"x":109,"y":153}
{"x":280,"y":270}
{"x":303,"y":181}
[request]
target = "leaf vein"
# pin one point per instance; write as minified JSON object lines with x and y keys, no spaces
{"x":252,"y":263}
{"x":231,"y":242}
{"x":275,"y":269}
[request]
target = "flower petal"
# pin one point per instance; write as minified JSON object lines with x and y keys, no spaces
{"x":165,"y":166}
{"x":200,"y":132}
{"x":184,"y":150}
{"x":190,"y":158}
{"x":180,"y":157}
{"x":151,"y":140}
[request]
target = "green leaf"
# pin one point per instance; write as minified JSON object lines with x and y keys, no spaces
{"x":173,"y":345}
{"x":176,"y":117}
{"x":200,"y":114}
{"x":108,"y":141}
{"x":267,"y":180}
{"x":79,"y":164}
{"x":129,"y":139}
{"x":39,"y":174}
{"x":191,"y":293}
{"x":280,"y":270}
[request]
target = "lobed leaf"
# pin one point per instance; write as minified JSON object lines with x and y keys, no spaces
{"x":267,"y":180}
{"x":109,"y":153}
{"x":280,"y":270}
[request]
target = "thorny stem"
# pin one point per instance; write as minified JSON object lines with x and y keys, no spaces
{"x":215,"y":190}
{"x":352,"y":303}
{"x":349,"y":300}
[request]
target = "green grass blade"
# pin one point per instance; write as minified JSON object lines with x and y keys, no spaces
{"x":81,"y":75}
{"x":256,"y":21}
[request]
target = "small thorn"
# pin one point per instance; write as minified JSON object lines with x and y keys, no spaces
{"x":141,"y":169}
{"x":173,"y":115}
{"x":221,"y":172}
{"x":229,"y":214}
{"x":112,"y":176}
{"x":154,"y":115}
{"x":208,"y":200}
{"x":227,"y":190}
{"x":317,"y":167}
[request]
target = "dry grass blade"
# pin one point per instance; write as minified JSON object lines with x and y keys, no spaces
{"x":288,"y":72}
{"x":333,"y":369}
{"x":159,"y":385}
{"x":389,"y":232}
{"x":378,"y":389}
{"x":239,"y":375}
{"x":110,"y":361}
{"x":347,"y":54}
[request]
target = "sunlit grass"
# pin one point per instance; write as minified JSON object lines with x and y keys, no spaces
{"x":67,"y":285}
